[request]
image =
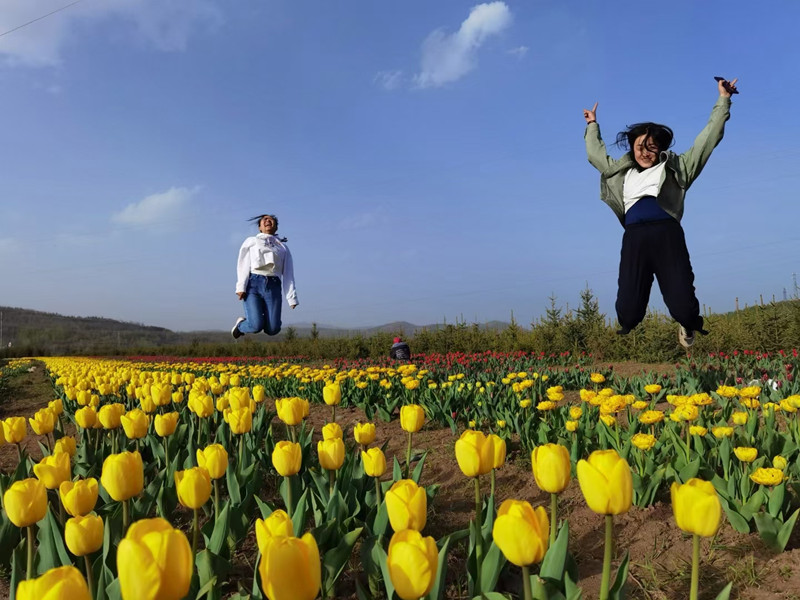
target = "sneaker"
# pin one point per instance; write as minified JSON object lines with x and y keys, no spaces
{"x":235,"y":331}
{"x":685,"y":338}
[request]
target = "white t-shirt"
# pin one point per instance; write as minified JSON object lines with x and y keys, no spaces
{"x":639,"y":184}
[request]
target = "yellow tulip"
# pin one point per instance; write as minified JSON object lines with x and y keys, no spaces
{"x":43,"y":421}
{"x":521,"y":532}
{"x":14,"y":430}
{"x":551,"y":467}
{"x":364,"y":433}
{"x":290,"y":410}
{"x":643,"y":441}
{"x":86,"y":417}
{"x":123,"y":475}
{"x":161,"y":393}
{"x":767,"y":476}
{"x":166,"y":424}
{"x":25,"y":502}
{"x":413,"y":562}
{"x":287,"y":458}
{"x":474,"y":454}
{"x":67,"y":445}
{"x":696,"y":507}
{"x":279,"y":523}
{"x":240,"y":420}
{"x":135,"y":423}
{"x":606,"y":482}
{"x":412,"y":418}
{"x":290,"y":568}
{"x":53,"y":470}
{"x":332,"y":394}
{"x":407,"y":505}
{"x":61,"y":583}
{"x":193,"y":487}
{"x":745,"y":454}
{"x":57,"y":406}
{"x":331,"y":431}
{"x":779,"y":462}
{"x":575,"y":412}
{"x":498,"y":446}
{"x":84,"y":535}
{"x":214,"y":459}
{"x":331,"y":453}
{"x":239,"y":397}
{"x":202,"y":405}
{"x":110,"y":416}
{"x":571,"y":426}
{"x":259,"y":394}
{"x":374,"y":462}
{"x":79,"y":497}
{"x":739,"y":418}
{"x":722,"y":432}
{"x":154,"y":562}
{"x":597,"y":378}
{"x":652,"y":388}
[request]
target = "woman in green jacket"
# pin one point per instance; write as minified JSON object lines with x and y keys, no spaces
{"x":646,"y":188}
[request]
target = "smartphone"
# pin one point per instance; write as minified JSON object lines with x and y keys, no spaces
{"x":726,"y":85}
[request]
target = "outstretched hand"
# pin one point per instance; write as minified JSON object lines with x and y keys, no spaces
{"x":726,"y":88}
{"x":590,"y":115}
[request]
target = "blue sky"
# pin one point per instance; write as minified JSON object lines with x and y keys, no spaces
{"x":426,"y":159}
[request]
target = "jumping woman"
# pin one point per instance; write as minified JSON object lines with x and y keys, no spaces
{"x":264,"y":266}
{"x":646,"y":188}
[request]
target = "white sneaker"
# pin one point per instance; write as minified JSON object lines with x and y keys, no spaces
{"x":685,"y":338}
{"x":235,"y":331}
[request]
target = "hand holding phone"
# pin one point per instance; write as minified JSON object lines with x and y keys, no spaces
{"x":729,"y":87}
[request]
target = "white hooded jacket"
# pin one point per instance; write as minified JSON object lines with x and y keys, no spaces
{"x":265,"y":254}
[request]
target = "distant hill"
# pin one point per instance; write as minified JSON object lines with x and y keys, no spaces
{"x":52,"y":333}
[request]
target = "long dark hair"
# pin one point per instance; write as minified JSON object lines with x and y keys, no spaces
{"x":660,"y":134}
{"x":257,"y":220}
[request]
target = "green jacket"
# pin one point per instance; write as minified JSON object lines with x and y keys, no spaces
{"x":681,"y":171}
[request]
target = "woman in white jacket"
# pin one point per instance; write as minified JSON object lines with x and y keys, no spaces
{"x":264,"y":267}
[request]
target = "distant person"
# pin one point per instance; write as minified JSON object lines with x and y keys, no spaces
{"x":400,"y":350}
{"x":264,"y":267}
{"x":646,"y":188}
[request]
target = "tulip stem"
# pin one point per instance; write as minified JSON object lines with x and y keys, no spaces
{"x":289,"y":502}
{"x":408,"y":455}
{"x":377,"y":491}
{"x":526,"y":583}
{"x":479,"y":533}
{"x":241,"y":453}
{"x":493,"y":481}
{"x":333,"y":413}
{"x":19,"y":452}
{"x":607,"y":557}
{"x":553,"y":518}
{"x":331,"y":481}
{"x":29,"y":572}
{"x":216,"y":499}
{"x":166,"y":452}
{"x":695,"y":566}
{"x":125,"y":517}
{"x":89,"y":578}
{"x":688,"y":443}
{"x":195,"y":532}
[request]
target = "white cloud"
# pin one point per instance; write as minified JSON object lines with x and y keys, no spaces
{"x":163,"y":24}
{"x":447,"y":58}
{"x":519,"y":52}
{"x":389,"y":80}
{"x":158,"y":209}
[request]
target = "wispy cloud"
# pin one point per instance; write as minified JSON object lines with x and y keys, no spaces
{"x":519,"y":52}
{"x":448,"y":57}
{"x":163,"y":24}
{"x":389,"y":80}
{"x":157,"y":209}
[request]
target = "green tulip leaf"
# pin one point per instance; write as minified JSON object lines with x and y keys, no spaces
{"x":383,"y":560}
{"x":737,"y":521}
{"x":555,"y":559}
{"x":690,"y":470}
{"x":334,"y":560}
{"x":18,"y":563}
{"x":234,"y":491}
{"x":397,"y":471}
{"x":725,"y":593}
{"x":775,"y":502}
{"x":220,"y":532}
{"x":299,"y":514}
{"x":755,"y":503}
{"x":381,"y":520}
{"x":617,"y":591}
{"x":786,"y":530}
{"x":572,"y":591}
{"x":491,"y":596}
{"x":51,"y":552}
{"x":113,"y":590}
{"x":418,"y":468}
{"x":265,"y":509}
{"x":493,"y":563}
{"x":257,"y":594}
{"x":438,"y":588}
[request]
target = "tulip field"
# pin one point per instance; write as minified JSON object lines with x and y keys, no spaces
{"x":449,"y":477}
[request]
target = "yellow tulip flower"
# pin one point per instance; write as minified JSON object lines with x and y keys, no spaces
{"x":652,"y":388}
{"x":61,"y":583}
{"x":240,"y":420}
{"x":67,"y":445}
{"x":407,"y":505}
{"x":84,"y":535}
{"x":287,"y":458}
{"x":161,"y":393}
{"x":332,"y":394}
{"x":53,"y":470}
{"x":521,"y":532}
{"x":364,"y":433}
{"x":193,"y":487}
{"x":123,"y":475}
{"x":696,"y":507}
{"x":25,"y":502}
{"x":277,"y":524}
{"x":331,"y":453}
{"x":374,"y":462}
{"x":214,"y":459}
{"x":86,"y":417}
{"x":43,"y":421}
{"x":166,"y":424}
{"x":290,"y":568}
{"x":110,"y":416}
{"x":498,"y":446}
{"x":739,"y":418}
{"x":412,"y":418}
{"x":332,"y":431}
{"x":643,"y":441}
{"x":474,"y":454}
{"x":290,"y":410}
{"x":135,"y":424}
{"x":14,"y":430}
{"x":412,"y":562}
{"x":571,"y":426}
{"x":154,"y":562}
{"x":767,"y":476}
{"x":745,"y":454}
{"x":551,"y":467}
{"x":606,"y":482}
{"x":79,"y":497}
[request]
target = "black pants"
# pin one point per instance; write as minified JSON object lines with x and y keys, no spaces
{"x":657,"y":248}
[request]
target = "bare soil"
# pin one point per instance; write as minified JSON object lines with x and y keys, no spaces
{"x":660,"y":554}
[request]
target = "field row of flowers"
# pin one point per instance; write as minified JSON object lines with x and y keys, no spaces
{"x":174,"y":465}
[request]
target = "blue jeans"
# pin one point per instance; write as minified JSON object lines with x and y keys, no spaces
{"x":262,"y":305}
